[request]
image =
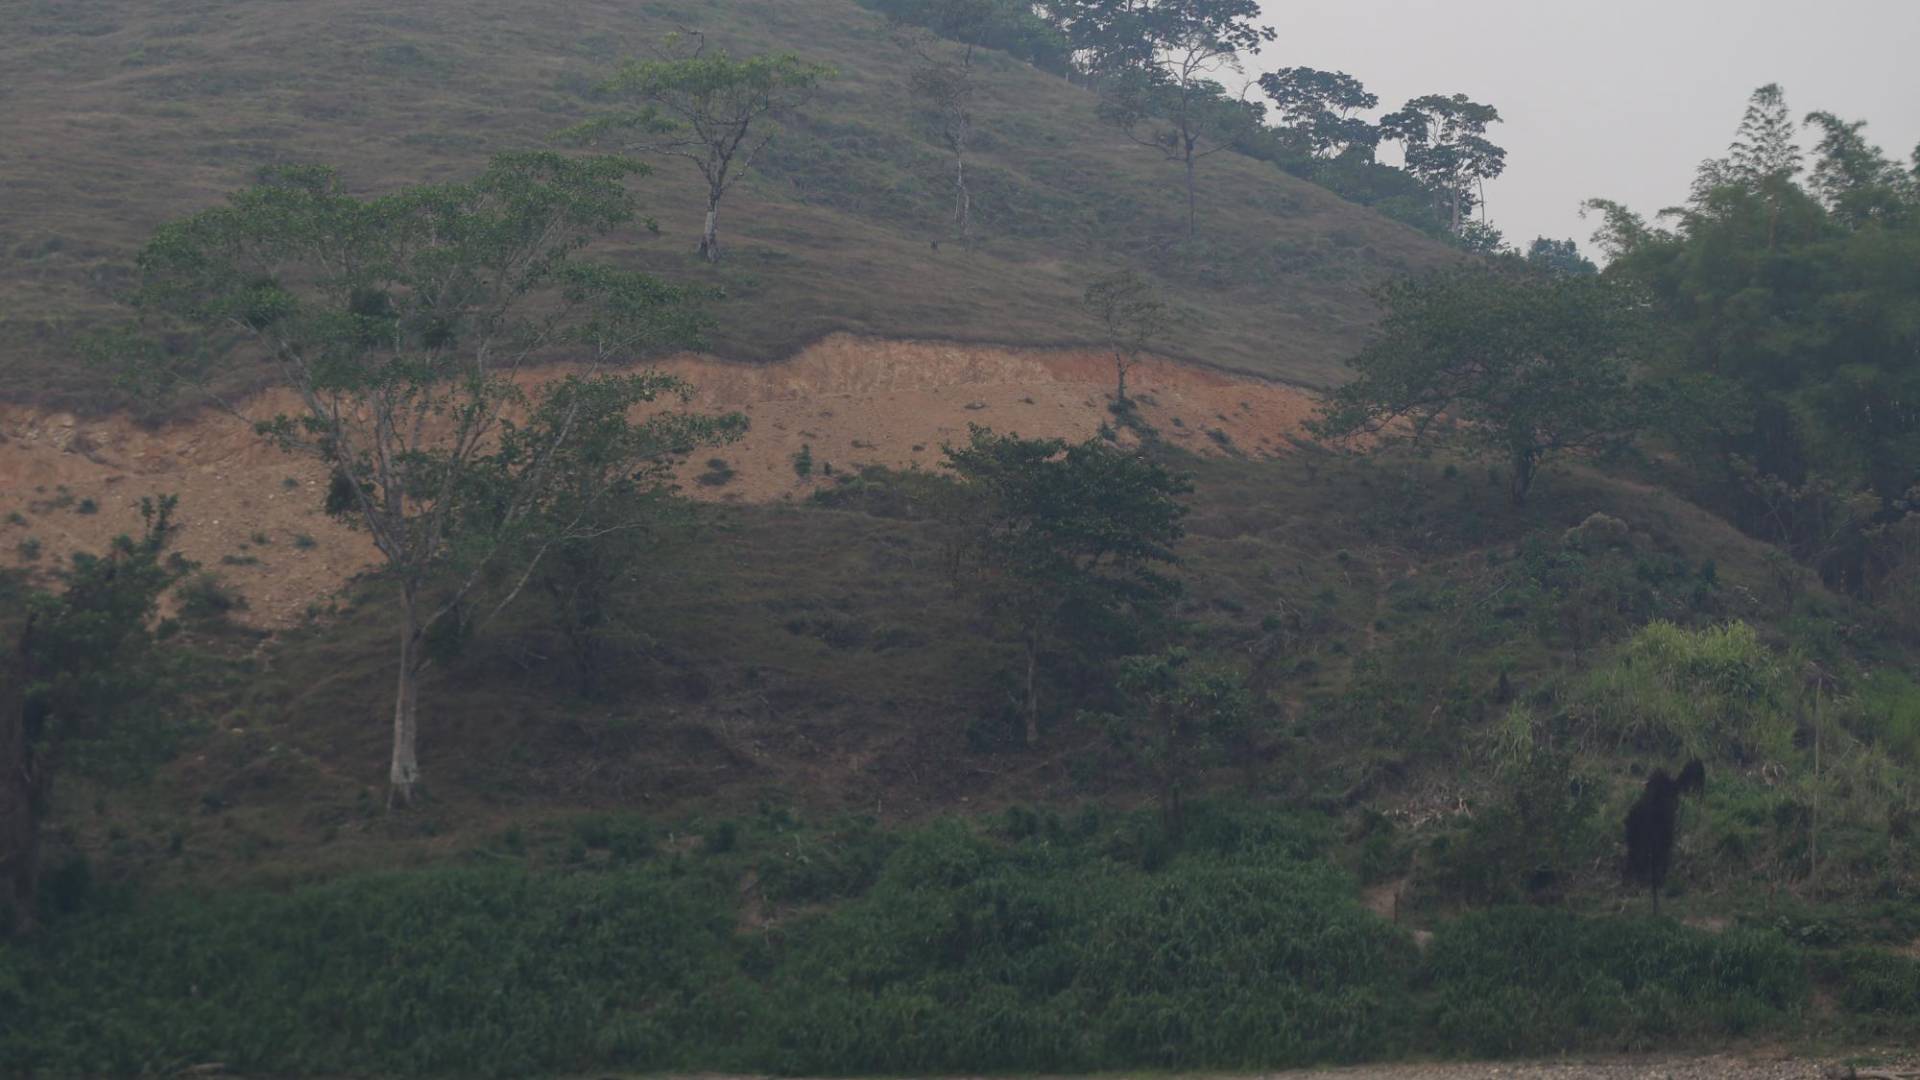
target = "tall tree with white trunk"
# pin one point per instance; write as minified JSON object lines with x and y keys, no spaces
{"x":406,"y":326}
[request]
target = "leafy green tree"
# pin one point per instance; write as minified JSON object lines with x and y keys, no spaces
{"x":1559,"y":257}
{"x":1131,"y":316}
{"x":1069,"y":537}
{"x":1019,"y":28}
{"x":1520,"y":365}
{"x":1764,"y":151}
{"x":708,"y":108}
{"x":1158,"y":65}
{"x":1763,"y":160}
{"x":943,"y":83}
{"x":1798,"y":311}
{"x":1854,"y":179}
{"x":1481,"y":238}
{"x":604,"y":519}
{"x":1317,"y":108}
{"x":406,"y":326}
{"x":1178,"y":718}
{"x":81,"y":671}
{"x":1446,"y":146}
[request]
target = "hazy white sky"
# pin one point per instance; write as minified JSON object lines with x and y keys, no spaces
{"x":1615,"y":98}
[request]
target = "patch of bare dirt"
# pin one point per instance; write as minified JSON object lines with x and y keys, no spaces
{"x":251,"y":513}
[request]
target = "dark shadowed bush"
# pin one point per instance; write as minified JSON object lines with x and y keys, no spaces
{"x":444,"y":971}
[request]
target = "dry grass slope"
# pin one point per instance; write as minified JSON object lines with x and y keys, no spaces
{"x":121,"y":114}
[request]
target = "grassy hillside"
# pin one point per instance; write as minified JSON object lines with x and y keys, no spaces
{"x":804,"y":834}
{"x":796,"y":826}
{"x":122,"y":114}
{"x":818,"y":656}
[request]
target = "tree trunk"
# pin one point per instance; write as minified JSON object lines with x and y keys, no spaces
{"x":1193,"y":226}
{"x":1033,"y":697}
{"x":404,"y":774}
{"x":1525,"y":464}
{"x":962,"y":200}
{"x":22,"y":796}
{"x":1813,"y":819}
{"x":1120,"y":370}
{"x":710,"y":234}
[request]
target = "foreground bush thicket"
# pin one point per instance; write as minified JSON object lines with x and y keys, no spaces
{"x":1044,"y":944}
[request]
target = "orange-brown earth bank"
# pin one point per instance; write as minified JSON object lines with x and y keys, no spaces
{"x":850,"y":401}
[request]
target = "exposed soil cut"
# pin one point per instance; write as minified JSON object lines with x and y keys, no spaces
{"x":251,"y":513}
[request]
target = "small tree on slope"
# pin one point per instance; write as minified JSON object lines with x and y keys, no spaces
{"x":707,"y":108}
{"x":1523,"y":365}
{"x":79,"y":667}
{"x":1069,"y":536}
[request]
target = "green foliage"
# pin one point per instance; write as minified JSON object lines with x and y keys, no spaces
{"x":719,"y":473}
{"x":1011,"y":26}
{"x":1559,"y":257}
{"x":1714,"y":692}
{"x":404,"y":323}
{"x":1316,"y":109}
{"x":82,"y":681}
{"x":1519,"y":365}
{"x":1531,"y":980}
{"x":1131,"y":316}
{"x":1885,"y":707}
{"x":205,"y":596}
{"x":1534,"y":837}
{"x":706,"y":108}
{"x":1876,"y":985}
{"x":1445,"y":145}
{"x":1178,"y":718}
{"x":1795,"y":311}
{"x":1072,"y":537}
{"x":461,"y":970}
{"x":1046,"y":943}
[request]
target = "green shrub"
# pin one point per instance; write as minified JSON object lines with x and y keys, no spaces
{"x":1534,"y":980}
{"x":489,"y":971}
{"x":969,"y":957}
{"x":809,"y":869}
{"x":205,"y":596}
{"x":1886,"y":708}
{"x":719,"y":473}
{"x":1702,"y":693}
{"x":1875,"y":984}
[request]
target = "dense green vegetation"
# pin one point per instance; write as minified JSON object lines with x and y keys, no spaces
{"x":1790,"y":301}
{"x":1036,"y":940}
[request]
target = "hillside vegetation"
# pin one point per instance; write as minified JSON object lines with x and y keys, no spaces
{"x":990,"y":709}
{"x":125,"y":114}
